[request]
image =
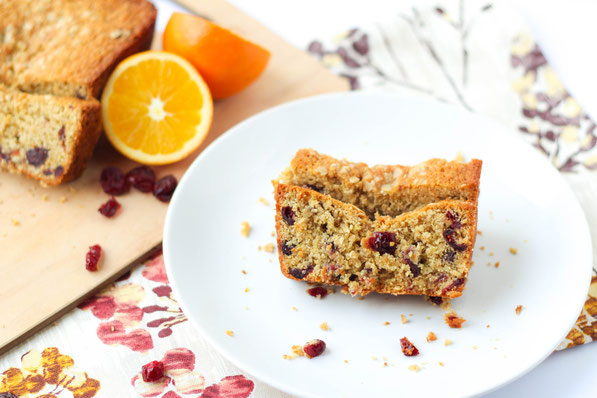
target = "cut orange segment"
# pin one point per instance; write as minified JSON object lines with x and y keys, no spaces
{"x":227,"y":62}
{"x":156,"y":108}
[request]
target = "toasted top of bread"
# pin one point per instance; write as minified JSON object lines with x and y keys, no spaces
{"x":69,"y":47}
{"x":386,"y":190}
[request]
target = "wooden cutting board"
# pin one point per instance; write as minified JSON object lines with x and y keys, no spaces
{"x":45,"y":232}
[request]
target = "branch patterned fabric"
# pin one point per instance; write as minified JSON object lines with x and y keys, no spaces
{"x":473,"y":53}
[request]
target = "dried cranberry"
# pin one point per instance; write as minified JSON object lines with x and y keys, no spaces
{"x":58,"y":171}
{"x":436,"y":300}
{"x":288,"y":215}
{"x":61,"y":136}
{"x":113,"y":181}
{"x":353,"y":277}
{"x":414,"y":268}
{"x":287,"y":248}
{"x":455,"y":284}
{"x":47,"y":172}
{"x":164,"y":188}
{"x":152,"y":371}
{"x":92,"y":258}
{"x":449,"y":237}
{"x":300,"y":273}
{"x":456,"y":224}
{"x":408,"y":349}
{"x":313,"y":187}
{"x":37,"y":156}
{"x":109,"y":208}
{"x":142,"y":178}
{"x":383,"y":242}
{"x":449,"y":256}
{"x":314,"y":348}
{"x":318,"y":291}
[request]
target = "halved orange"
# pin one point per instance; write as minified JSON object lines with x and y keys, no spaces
{"x":156,"y":108}
{"x":227,"y":62}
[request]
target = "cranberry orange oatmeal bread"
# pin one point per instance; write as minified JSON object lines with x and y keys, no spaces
{"x":46,"y":137}
{"x":386,"y":190}
{"x":69,"y":47}
{"x":55,"y":58}
{"x":423,"y":252}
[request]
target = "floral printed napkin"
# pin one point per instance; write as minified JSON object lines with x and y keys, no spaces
{"x":475,"y":54}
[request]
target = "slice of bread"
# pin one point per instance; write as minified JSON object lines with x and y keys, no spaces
{"x":386,"y":190}
{"x":69,"y":47}
{"x":424,"y":252}
{"x":46,"y":137}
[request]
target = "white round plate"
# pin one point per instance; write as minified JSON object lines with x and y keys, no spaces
{"x":524,"y":204}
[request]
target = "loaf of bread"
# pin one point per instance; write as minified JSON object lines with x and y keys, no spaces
{"x":69,"y":47}
{"x":55,"y":58}
{"x":385,"y":190}
{"x":425,"y":252}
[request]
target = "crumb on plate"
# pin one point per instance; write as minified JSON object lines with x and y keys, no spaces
{"x":453,"y":320}
{"x":414,"y":367}
{"x":447,"y":342}
{"x":431,"y":337}
{"x":324,"y":326}
{"x":518,"y":309}
{"x":263,"y":201}
{"x":245,"y":229}
{"x":269,"y":247}
{"x":230,"y":333}
{"x":403,"y":319}
{"x":513,"y":250}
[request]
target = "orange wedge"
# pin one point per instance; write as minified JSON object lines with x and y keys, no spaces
{"x":156,"y":108}
{"x":227,"y":62}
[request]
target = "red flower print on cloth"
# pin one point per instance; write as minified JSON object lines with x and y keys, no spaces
{"x":118,"y":307}
{"x":181,"y":379}
{"x":121,"y":310}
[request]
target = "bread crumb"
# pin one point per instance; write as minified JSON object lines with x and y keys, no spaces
{"x":414,"y":367}
{"x":459,"y":157}
{"x":453,"y":320}
{"x":487,"y":326}
{"x":246,"y":290}
{"x":491,"y":253}
{"x":259,"y":248}
{"x":403,"y":319}
{"x":245,"y":229}
{"x":15,"y":222}
{"x":489,"y":264}
{"x":428,"y":317}
{"x":441,"y":364}
{"x":298,"y":350}
{"x":386,"y":323}
{"x":479,"y":232}
{"x":294,"y":309}
{"x":324,"y":326}
{"x":447,"y":342}
{"x":475,"y":347}
{"x":44,"y":197}
{"x":497,"y":264}
{"x":374,"y":358}
{"x":244,"y":272}
{"x":361,"y":298}
{"x":482,"y":248}
{"x":288,"y":357}
{"x":518,"y":309}
{"x":230,"y":333}
{"x":273,"y":234}
{"x":269,"y":247}
{"x":431,"y":337}
{"x":62,"y":199}
{"x":263,"y":201}
{"x":345,"y":361}
{"x":513,"y":250}
{"x":385,"y":364}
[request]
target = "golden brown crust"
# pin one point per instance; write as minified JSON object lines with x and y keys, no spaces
{"x":69,"y":47}
{"x":440,"y":277}
{"x":387,"y":190}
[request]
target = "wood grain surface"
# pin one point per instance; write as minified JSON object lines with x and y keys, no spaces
{"x":45,"y":232}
